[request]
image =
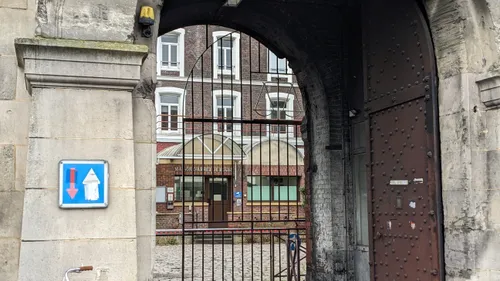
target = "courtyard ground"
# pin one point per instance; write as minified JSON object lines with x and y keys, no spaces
{"x":245,"y":261}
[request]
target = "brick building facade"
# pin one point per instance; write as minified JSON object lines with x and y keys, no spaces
{"x":211,"y":73}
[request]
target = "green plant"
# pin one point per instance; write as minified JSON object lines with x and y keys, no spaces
{"x":166,"y":241}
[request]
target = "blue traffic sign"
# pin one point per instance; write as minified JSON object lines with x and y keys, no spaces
{"x":83,"y":184}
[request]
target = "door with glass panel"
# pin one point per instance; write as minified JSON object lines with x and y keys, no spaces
{"x":219,"y":203}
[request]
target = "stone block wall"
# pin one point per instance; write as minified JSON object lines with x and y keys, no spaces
{"x":14,"y":119}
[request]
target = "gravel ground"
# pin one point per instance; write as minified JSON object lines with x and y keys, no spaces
{"x":236,"y":263}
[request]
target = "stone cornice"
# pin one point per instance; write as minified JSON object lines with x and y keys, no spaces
{"x":79,"y":64}
{"x":489,"y":91}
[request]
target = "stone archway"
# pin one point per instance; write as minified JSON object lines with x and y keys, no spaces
{"x":310,"y":26}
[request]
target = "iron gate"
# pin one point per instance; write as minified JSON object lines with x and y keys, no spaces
{"x":403,"y":131}
{"x":239,"y":171}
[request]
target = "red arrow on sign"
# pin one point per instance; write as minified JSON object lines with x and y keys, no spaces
{"x":72,"y":190}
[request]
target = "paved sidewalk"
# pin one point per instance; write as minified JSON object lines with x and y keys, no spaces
{"x":211,"y":260}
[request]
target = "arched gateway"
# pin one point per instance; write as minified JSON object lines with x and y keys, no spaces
{"x":367,"y":72}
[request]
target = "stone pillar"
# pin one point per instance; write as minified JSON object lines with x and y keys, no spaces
{"x":82,"y":108}
{"x":14,"y":117}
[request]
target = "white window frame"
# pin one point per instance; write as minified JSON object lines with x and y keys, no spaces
{"x":169,"y":91}
{"x":270,"y":75}
{"x":289,"y":107}
{"x":236,"y":110}
{"x":180,"y":54}
{"x":235,"y":54}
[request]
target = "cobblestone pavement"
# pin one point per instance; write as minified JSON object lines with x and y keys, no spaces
{"x":211,"y":260}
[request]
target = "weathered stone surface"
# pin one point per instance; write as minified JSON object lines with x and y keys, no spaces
{"x":457,"y":93}
{"x":8,"y":77}
{"x":145,"y":201}
{"x":456,"y":173}
{"x":9,"y":259}
{"x":113,"y":259}
{"x":21,"y":161}
{"x":59,"y":224}
{"x":145,"y":257}
{"x":7,"y":167}
{"x":455,"y":130}
{"x":85,"y":114}
{"x":81,"y":64}
{"x":15,"y":4}
{"x":144,"y":120}
{"x":14,"y":120}
{"x":12,"y":29}
{"x":145,"y":165}
{"x":45,"y":154}
{"x":11,"y":212}
{"x":361,"y":259}
{"x":21,"y":90}
{"x":80,"y":20}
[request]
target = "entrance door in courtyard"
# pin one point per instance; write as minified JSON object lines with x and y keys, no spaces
{"x":218,"y":190}
{"x":403,"y":178}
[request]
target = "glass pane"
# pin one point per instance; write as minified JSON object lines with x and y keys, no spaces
{"x":279,"y":104}
{"x":274,"y":114}
{"x":282,"y":66}
{"x":258,"y":188}
{"x":285,"y":193}
{"x":228,"y":62}
{"x":272,"y":62}
{"x":170,"y":38}
{"x":218,"y":186}
{"x":227,"y":102}
{"x":259,"y":193}
{"x":160,"y":194}
{"x":173,"y":118}
{"x":173,"y":55}
{"x":219,"y":58}
{"x":193,"y":187}
{"x":165,"y":51}
{"x":169,"y":98}
{"x":220,"y":113}
{"x":164,"y":109}
{"x":229,"y":113}
{"x":282,"y":115}
{"x":164,"y":122}
{"x":226,"y":41}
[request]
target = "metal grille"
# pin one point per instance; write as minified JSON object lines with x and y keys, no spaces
{"x":239,"y":170}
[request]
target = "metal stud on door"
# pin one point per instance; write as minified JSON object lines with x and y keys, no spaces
{"x":400,"y":101}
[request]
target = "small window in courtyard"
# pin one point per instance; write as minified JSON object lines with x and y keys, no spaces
{"x":225,"y":53}
{"x":276,"y":65}
{"x":169,"y":106}
{"x":170,"y":51}
{"x":279,"y":110}
{"x":193,"y":188}
{"x":225,"y":110}
{"x":265,"y":188}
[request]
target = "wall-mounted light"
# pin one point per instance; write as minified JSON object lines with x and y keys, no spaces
{"x":147,"y":19}
{"x":232,"y":3}
{"x":353,"y":113}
